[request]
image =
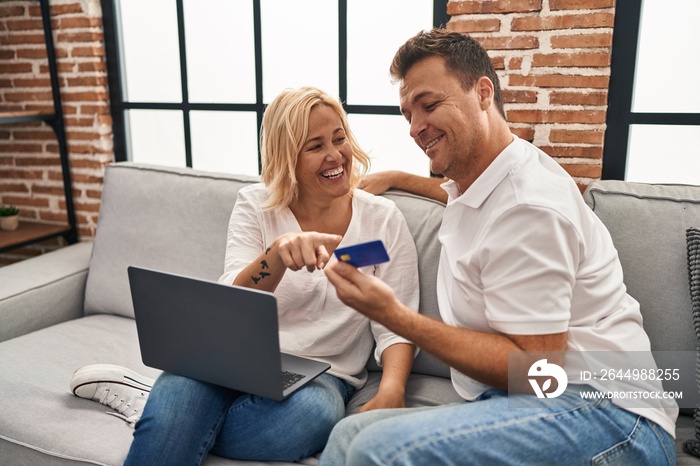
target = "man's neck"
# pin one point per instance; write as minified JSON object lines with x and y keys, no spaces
{"x":495,"y":142}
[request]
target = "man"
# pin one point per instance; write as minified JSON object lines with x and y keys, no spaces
{"x":526,"y":270}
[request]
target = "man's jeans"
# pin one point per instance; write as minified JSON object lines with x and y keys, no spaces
{"x":184,"y":419}
{"x":571,"y":431}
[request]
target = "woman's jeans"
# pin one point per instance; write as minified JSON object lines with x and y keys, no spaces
{"x":572,"y":431}
{"x":184,"y":419}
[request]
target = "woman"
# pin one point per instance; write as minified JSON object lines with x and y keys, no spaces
{"x":281,"y":235}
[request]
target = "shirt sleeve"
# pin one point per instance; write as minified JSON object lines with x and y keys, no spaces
{"x":244,"y":241}
{"x":529,"y":263}
{"x":400,"y":273}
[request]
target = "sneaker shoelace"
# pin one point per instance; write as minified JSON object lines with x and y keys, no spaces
{"x":124,"y":410}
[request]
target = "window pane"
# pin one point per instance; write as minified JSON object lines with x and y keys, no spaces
{"x":664,"y":154}
{"x":385,"y":138}
{"x":220,"y":51}
{"x":156,"y":136}
{"x":370,"y":55}
{"x":151,"y":64}
{"x":299,"y":45}
{"x":667,"y":39}
{"x":225,"y":142}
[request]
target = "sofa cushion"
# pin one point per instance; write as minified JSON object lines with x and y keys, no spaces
{"x":45,"y":424}
{"x":685,"y":429}
{"x":43,"y":290}
{"x":183,"y":230}
{"x":424,"y":217}
{"x":647,"y":224}
{"x":44,"y":420}
{"x":692,"y":445}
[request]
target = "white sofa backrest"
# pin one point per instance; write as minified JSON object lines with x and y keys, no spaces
{"x":164,"y":218}
{"x":648,"y":223}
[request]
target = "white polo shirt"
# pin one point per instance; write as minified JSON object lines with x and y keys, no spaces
{"x":523,"y":254}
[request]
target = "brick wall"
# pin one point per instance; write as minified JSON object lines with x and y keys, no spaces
{"x":30,"y":172}
{"x":552,"y":57}
{"x":553,"y":60}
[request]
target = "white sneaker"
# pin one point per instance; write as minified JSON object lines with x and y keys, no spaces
{"x":120,"y":388}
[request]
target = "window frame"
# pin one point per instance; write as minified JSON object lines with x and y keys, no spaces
{"x":620,"y":116}
{"x":115,"y":77}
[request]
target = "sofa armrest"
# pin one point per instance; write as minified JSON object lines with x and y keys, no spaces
{"x":43,"y":291}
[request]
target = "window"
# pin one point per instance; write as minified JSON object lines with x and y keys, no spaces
{"x":189,"y":79}
{"x":653,"y":121}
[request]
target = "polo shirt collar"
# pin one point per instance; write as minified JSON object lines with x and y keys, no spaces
{"x":487,"y":182}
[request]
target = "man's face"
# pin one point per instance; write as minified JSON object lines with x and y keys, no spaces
{"x":448,"y":123}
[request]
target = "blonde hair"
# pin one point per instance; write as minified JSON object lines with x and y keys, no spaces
{"x":285,"y":127}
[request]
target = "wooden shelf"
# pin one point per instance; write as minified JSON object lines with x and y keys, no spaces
{"x":16,"y":116}
{"x":30,"y":232}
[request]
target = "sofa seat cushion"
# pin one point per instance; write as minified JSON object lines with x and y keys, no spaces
{"x":45,"y":423}
{"x":45,"y":419}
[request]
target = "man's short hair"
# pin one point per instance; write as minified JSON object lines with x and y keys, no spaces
{"x":464,"y":56}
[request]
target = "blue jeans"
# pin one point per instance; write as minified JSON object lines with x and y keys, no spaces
{"x":184,"y":419}
{"x":571,"y":431}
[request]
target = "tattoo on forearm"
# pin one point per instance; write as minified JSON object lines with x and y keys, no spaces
{"x":261,"y":274}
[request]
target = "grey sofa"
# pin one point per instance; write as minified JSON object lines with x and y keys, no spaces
{"x":72,"y":307}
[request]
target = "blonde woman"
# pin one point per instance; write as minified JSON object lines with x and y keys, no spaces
{"x":281,"y":234}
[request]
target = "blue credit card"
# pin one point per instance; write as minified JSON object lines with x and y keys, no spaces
{"x":361,"y":255}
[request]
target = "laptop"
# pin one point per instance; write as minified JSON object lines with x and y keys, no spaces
{"x":223,"y":334}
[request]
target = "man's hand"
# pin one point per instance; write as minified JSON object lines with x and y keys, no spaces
{"x":366,"y":294}
{"x":378,"y":183}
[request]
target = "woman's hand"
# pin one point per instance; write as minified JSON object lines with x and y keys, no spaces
{"x":308,"y":249}
{"x":385,"y":400}
{"x":397,"y":361}
{"x":293,"y":251}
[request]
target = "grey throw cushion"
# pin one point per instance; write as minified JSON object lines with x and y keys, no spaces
{"x":693,"y":251}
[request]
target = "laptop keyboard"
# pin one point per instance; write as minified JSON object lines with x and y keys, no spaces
{"x":290,"y":378}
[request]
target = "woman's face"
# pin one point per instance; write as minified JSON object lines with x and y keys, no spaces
{"x":325,"y":162}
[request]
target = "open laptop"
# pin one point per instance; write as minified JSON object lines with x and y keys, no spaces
{"x":222,"y":334}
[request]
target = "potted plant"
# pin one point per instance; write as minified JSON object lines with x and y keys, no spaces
{"x":9,"y":217}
